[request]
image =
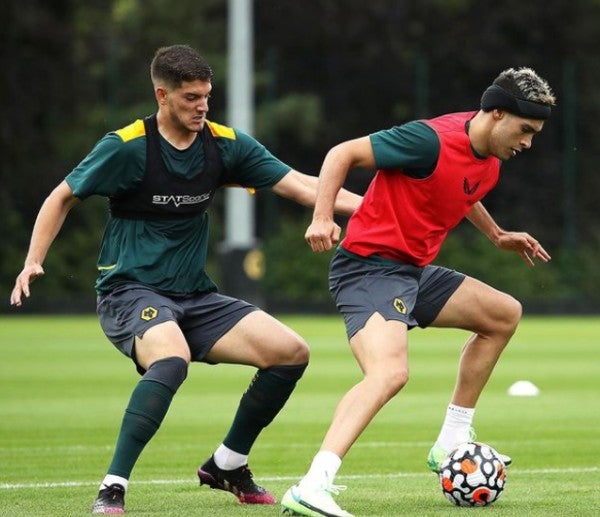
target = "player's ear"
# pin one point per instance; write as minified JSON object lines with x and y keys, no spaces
{"x":498,"y":114}
{"x":161,"y":95}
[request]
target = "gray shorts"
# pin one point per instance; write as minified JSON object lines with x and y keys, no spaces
{"x":411,"y":294}
{"x":131,"y":309}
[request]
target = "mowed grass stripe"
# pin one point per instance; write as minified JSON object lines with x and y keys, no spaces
{"x":353,"y":477}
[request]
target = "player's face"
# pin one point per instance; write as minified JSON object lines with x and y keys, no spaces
{"x":188,"y":105}
{"x":512,"y":134}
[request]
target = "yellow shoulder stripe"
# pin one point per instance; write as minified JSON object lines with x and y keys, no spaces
{"x":134,"y":130}
{"x":107,"y":268}
{"x":219,"y":130}
{"x":250,"y":190}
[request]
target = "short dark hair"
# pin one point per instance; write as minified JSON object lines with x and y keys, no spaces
{"x":177,"y":63}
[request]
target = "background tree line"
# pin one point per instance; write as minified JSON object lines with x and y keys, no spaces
{"x":325,"y":71}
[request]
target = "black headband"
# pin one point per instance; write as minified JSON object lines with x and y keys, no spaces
{"x":496,"y":97}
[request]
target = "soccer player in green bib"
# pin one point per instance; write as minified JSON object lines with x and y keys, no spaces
{"x":156,"y":303}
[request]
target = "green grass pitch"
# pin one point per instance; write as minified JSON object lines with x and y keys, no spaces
{"x":63,"y":389}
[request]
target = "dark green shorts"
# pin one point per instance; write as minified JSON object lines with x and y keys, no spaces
{"x":131,"y":309}
{"x":411,"y":294}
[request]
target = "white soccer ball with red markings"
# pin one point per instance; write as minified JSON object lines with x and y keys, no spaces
{"x":472,"y":475}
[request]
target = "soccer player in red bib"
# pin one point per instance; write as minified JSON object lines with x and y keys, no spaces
{"x":430,"y":175}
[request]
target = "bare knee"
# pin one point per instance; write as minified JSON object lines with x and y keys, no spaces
{"x":300,"y":352}
{"x":390,"y":383}
{"x":512,"y":310}
{"x":499,"y":322}
{"x":293,"y":351}
{"x":397,"y":381}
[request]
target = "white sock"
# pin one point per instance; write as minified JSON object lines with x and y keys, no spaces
{"x":110,"y":479}
{"x":322,"y":470}
{"x":227,"y":459}
{"x":456,"y":427}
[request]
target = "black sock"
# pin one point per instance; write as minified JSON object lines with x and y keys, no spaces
{"x":145,"y":412}
{"x":264,"y":398}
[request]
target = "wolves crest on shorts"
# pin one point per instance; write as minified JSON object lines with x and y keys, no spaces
{"x":399,"y":306}
{"x":149,"y":313}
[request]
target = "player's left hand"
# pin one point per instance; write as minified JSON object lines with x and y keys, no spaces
{"x":525,"y":245}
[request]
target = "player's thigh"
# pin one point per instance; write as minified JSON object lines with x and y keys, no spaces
{"x":161,"y":341}
{"x":478,"y":307}
{"x":260,"y":340}
{"x":381,"y":350}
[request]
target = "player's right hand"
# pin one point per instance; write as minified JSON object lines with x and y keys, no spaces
{"x":28,"y":275}
{"x":322,"y":235}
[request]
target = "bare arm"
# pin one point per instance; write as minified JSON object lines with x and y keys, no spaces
{"x":484,"y":222}
{"x":323,"y":233}
{"x":49,"y":221}
{"x":520,"y":242}
{"x":302,"y":188}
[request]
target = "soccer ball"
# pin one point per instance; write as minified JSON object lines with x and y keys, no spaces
{"x":472,"y":475}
